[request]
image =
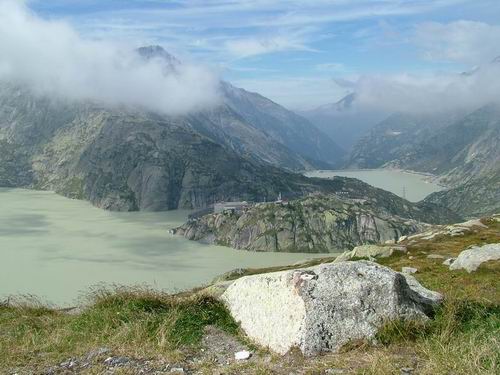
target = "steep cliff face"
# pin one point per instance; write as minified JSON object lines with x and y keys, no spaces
{"x":397,"y":140}
{"x":313,"y":224}
{"x":129,"y":159}
{"x":455,"y":146}
{"x":476,"y":198}
{"x":283,"y":126}
{"x":463,"y":152}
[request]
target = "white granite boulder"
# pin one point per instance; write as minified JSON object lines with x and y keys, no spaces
{"x":472,"y":258}
{"x":322,"y":308}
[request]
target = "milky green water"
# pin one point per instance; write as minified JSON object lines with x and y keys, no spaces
{"x":411,"y":186}
{"x":56,"y":248}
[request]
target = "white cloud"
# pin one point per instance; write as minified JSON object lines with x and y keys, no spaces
{"x":430,"y":93}
{"x":51,"y":57}
{"x":460,"y":41}
{"x":247,"y":47}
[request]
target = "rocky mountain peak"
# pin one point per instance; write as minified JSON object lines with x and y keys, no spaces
{"x":158,"y":52}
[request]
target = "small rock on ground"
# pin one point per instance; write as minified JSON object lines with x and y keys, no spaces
{"x":408,"y":270}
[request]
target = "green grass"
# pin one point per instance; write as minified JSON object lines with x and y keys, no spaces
{"x":134,"y":321}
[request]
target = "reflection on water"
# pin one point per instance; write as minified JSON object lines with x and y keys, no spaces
{"x":55,"y":248}
{"x":411,"y":186}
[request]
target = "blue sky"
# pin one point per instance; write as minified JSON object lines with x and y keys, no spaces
{"x":299,"y":53}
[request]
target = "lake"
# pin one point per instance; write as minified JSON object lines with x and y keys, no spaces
{"x":412,"y":186}
{"x":57,"y":248}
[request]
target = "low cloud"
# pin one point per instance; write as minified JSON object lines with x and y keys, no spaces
{"x":430,"y":93}
{"x":461,"y":41}
{"x":247,"y":47}
{"x":52,"y":58}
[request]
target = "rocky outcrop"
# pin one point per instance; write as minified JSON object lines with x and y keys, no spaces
{"x":370,"y":251}
{"x":323,"y":308}
{"x":472,"y":258}
{"x":313,"y":224}
{"x":454,"y":230}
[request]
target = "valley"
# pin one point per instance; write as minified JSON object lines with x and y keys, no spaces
{"x":249,"y":188}
{"x":406,"y":184}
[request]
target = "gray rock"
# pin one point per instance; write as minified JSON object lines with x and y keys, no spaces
{"x":449,"y":261}
{"x":322,"y":308}
{"x":370,"y":252}
{"x":424,"y":296}
{"x":402,"y":238}
{"x":177,"y":370}
{"x":407,"y":370}
{"x":116,"y":361}
{"x":409,"y":270}
{"x":471,"y":259}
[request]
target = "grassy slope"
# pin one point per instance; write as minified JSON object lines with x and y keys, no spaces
{"x":464,"y":337}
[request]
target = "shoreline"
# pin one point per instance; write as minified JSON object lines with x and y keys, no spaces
{"x":429,"y":177}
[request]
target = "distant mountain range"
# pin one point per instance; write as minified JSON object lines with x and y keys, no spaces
{"x":344,"y":121}
{"x":256,"y":127}
{"x":244,"y":148}
{"x":462,"y":149}
{"x":134,"y":159}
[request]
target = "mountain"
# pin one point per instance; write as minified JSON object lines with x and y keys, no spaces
{"x":463,"y":150}
{"x":470,"y":161}
{"x":344,"y":121}
{"x":126,"y":159}
{"x":477,"y":197}
{"x":396,"y":140}
{"x":130,"y":159}
{"x":257,"y":127}
{"x":278,"y":123}
{"x":455,"y":150}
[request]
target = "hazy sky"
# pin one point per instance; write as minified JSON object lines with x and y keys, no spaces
{"x":304,"y":53}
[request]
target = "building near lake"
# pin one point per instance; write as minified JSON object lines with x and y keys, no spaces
{"x":230,"y":207}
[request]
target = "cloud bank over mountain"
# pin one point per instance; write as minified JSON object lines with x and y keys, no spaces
{"x":470,"y":44}
{"x":429,"y":93}
{"x":52,"y":58}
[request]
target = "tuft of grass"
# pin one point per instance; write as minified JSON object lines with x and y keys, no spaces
{"x":463,"y":338}
{"x":136,"y":321}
